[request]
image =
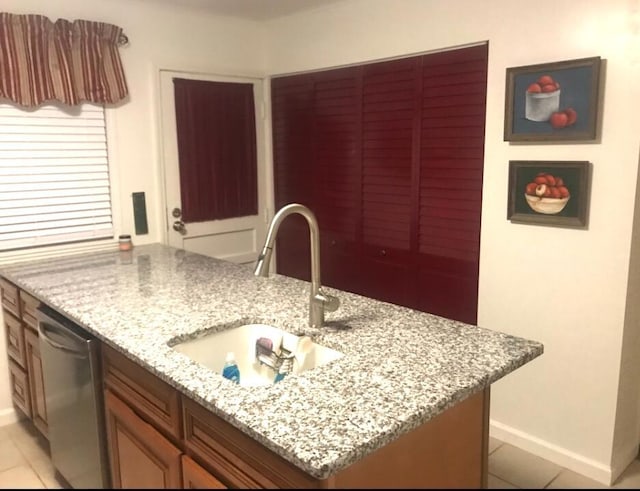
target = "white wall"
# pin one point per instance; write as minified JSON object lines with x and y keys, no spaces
{"x":160,"y":36}
{"x":566,"y":288}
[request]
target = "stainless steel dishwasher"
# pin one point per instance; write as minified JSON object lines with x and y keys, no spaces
{"x":75,"y":410}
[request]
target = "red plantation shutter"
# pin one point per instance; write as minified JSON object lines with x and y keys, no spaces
{"x":292,"y":109}
{"x":335,"y":154}
{"x":390,"y":157}
{"x":452,"y":141}
{"x":293,"y":123}
{"x":389,"y":110}
{"x":451,"y":165}
{"x":217,"y":149}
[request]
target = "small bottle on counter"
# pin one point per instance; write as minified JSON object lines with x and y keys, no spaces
{"x":124,"y":242}
{"x":231,"y":370}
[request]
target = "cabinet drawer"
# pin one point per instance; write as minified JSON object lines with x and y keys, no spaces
{"x":234,"y":457}
{"x":14,"y":334}
{"x":19,"y":384}
{"x":153,"y":399}
{"x":29,"y":305}
{"x":9,"y":294}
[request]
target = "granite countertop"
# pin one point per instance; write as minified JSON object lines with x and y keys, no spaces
{"x":400,"y":367}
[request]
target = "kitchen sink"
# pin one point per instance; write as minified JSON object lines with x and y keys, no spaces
{"x":211,"y":351}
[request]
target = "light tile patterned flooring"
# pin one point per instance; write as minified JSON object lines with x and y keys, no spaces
{"x":25,"y":464}
{"x":513,"y":468}
{"x":24,"y":459}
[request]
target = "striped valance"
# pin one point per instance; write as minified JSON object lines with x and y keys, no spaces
{"x":71,"y":62}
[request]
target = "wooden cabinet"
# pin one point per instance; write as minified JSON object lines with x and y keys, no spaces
{"x":157,"y":436}
{"x":449,"y":451}
{"x":195,"y":476}
{"x":28,"y":307}
{"x":154,"y":400}
{"x":9,"y":293}
{"x":19,"y":385}
{"x":140,"y":456}
{"x":36,"y":381}
{"x":236,"y":458}
{"x":144,"y":428}
{"x":23,"y":348}
{"x":14,"y":334}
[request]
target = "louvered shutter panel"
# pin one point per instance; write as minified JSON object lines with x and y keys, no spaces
{"x":54,"y":176}
{"x":336,"y":152}
{"x":398,"y":186}
{"x":292,"y":123}
{"x":387,"y":140}
{"x":452,"y":141}
{"x":451,"y":165}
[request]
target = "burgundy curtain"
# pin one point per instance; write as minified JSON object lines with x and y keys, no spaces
{"x":70,"y":62}
{"x":216,"y":129}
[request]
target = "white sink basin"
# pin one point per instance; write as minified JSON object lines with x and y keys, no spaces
{"x":211,"y":351}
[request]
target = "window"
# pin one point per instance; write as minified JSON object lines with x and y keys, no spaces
{"x":54,"y":176}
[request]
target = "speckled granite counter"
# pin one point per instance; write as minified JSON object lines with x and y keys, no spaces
{"x":401,"y":367}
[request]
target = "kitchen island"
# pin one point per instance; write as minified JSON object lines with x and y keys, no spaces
{"x":401,"y":368}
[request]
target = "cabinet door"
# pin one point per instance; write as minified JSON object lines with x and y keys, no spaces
{"x":196,"y":477}
{"x":36,"y":381}
{"x":14,"y":334}
{"x":9,"y":297}
{"x":29,"y":307}
{"x":140,"y":456}
{"x":156,"y":401}
{"x":19,"y":385}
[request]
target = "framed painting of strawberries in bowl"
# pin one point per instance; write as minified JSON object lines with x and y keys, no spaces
{"x":548,"y":192}
{"x":552,"y":101}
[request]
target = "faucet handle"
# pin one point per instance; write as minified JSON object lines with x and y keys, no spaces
{"x":329,"y":302}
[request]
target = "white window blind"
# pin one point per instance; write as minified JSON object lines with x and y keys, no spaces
{"x":54,"y":176}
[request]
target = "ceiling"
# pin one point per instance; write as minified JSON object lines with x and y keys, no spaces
{"x":250,"y":9}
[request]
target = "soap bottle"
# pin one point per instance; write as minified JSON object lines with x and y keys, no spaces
{"x":230,"y":369}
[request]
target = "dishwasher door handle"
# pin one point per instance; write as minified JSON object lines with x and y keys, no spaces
{"x":44,"y":328}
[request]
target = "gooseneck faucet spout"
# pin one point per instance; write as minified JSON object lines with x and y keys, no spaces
{"x":318,"y":301}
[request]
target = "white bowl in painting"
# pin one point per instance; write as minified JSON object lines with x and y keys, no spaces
{"x":540,"y":106}
{"x":548,"y":206}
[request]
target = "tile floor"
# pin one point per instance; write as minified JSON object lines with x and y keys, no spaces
{"x":24,"y":459}
{"x":25,"y":464}
{"x":513,"y":468}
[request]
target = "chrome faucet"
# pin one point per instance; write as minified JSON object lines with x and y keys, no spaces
{"x":318,"y":301}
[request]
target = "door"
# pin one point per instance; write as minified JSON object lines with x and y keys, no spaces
{"x":237,"y":236}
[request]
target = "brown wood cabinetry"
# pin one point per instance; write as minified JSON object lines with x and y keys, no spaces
{"x":9,"y":293}
{"x":195,"y":476}
{"x":154,"y":400}
{"x":161,"y":438}
{"x":140,"y":456}
{"x":36,"y":380}
{"x":235,"y":457}
{"x":14,"y":334}
{"x":23,"y":348}
{"x":19,"y":384}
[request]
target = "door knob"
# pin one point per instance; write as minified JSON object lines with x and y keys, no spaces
{"x":178,"y":226}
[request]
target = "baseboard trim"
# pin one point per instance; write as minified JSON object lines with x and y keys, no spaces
{"x":558,"y":455}
{"x":8,"y":416}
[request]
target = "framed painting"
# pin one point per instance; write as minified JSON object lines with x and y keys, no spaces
{"x":552,"y":101}
{"x":548,"y":192}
